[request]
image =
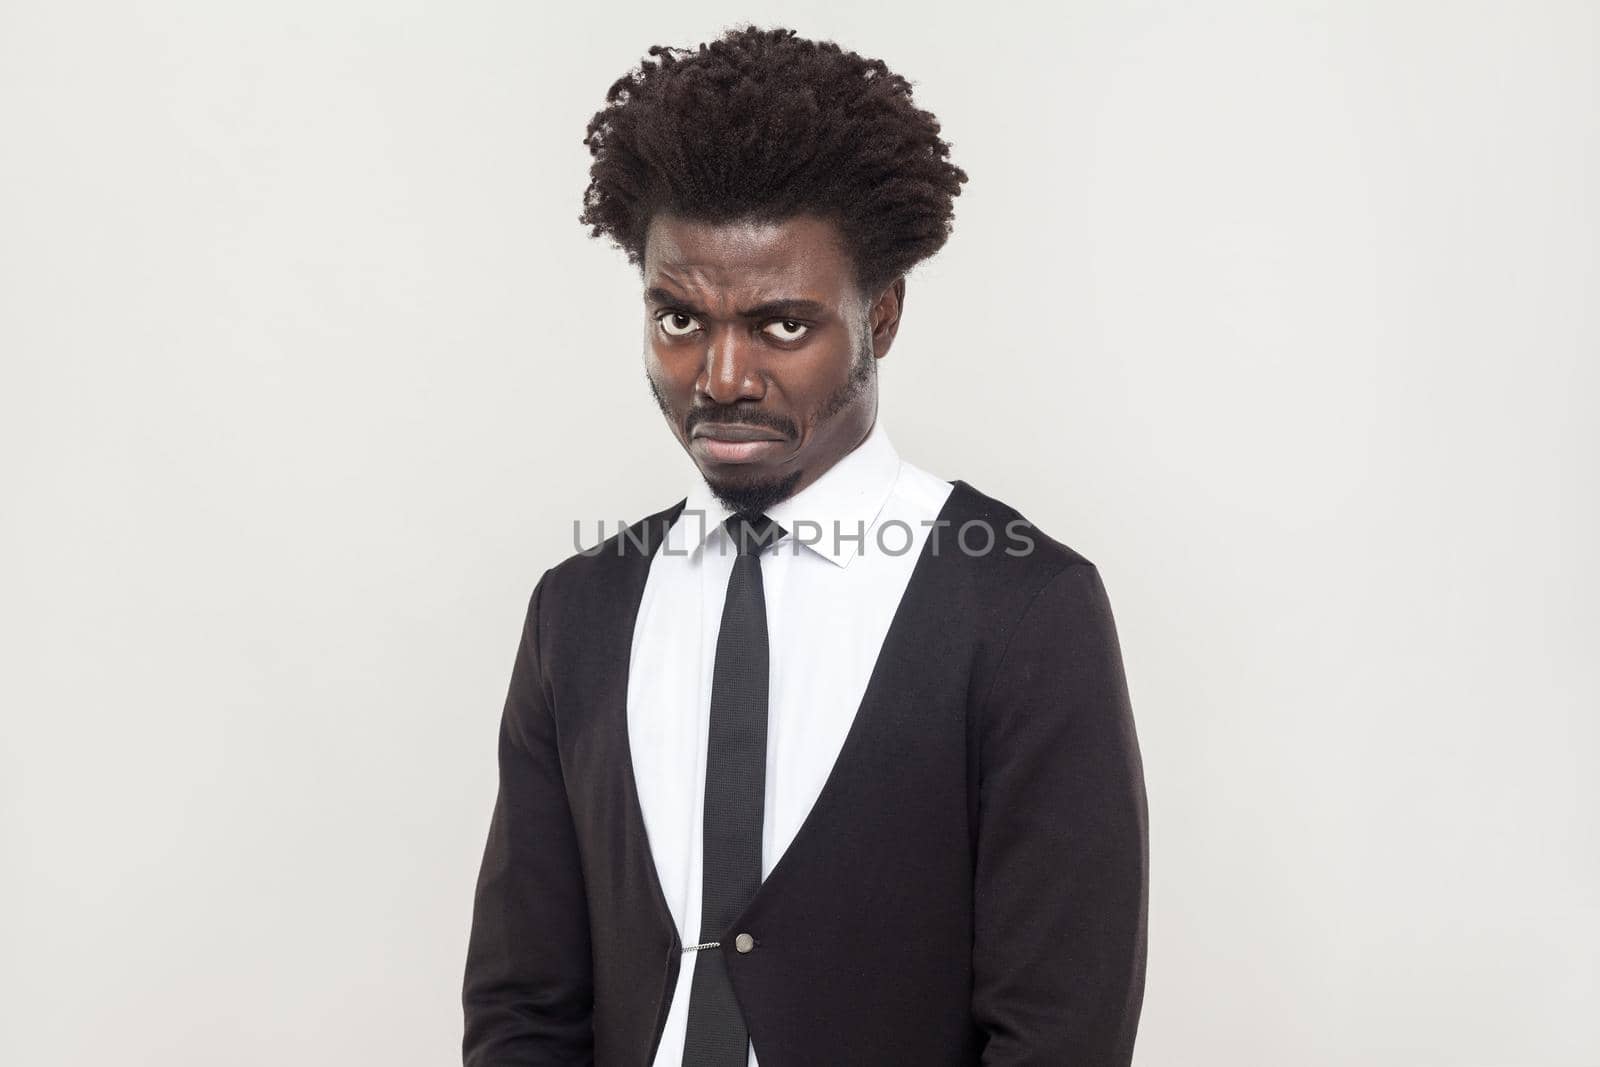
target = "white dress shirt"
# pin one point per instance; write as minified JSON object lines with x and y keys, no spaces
{"x":829,"y":605}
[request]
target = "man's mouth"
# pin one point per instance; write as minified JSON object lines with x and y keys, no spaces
{"x":731,"y":442}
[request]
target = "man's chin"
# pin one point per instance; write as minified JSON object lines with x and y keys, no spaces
{"x":754,"y":493}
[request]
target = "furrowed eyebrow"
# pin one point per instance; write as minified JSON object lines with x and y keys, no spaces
{"x":772,"y":309}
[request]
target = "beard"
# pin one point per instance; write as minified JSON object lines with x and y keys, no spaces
{"x":753,"y":498}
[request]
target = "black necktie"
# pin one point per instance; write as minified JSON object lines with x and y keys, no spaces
{"x":736,"y":775}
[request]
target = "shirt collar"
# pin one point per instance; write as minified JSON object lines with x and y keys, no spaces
{"x":838,"y":510}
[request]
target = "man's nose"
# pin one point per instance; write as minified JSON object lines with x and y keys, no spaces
{"x":733,"y":367}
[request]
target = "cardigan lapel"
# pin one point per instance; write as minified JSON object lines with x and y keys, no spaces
{"x":920,"y":626}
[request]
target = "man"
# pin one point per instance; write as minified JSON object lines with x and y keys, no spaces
{"x":832,"y":761}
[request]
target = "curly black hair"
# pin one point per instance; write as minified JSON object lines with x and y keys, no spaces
{"x":767,"y":125}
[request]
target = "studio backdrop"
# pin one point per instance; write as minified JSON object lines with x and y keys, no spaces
{"x":1283,"y":314}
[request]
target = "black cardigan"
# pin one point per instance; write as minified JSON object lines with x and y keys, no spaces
{"x":969,"y":888}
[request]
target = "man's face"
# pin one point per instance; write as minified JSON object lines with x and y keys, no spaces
{"x":760,"y":350}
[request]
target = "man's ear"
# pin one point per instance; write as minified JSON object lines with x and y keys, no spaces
{"x":886,"y":311}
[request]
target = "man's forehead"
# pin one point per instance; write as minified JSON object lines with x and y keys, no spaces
{"x":732,"y":285}
{"x":746,"y":259}
{"x":726,"y":253}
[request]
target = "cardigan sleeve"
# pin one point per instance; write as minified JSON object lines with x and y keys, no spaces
{"x":527,"y":995}
{"x":1062,"y":850}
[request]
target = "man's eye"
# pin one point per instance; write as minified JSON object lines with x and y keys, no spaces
{"x":787,"y":329}
{"x":676,"y":323}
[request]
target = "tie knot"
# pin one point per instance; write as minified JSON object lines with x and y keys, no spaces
{"x":752,"y":533}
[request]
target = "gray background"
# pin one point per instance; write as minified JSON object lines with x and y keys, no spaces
{"x":1282,"y":313}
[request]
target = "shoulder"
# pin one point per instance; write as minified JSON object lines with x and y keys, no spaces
{"x":1050,"y":627}
{"x":1025,"y":582}
{"x":594,"y":576}
{"x":1007,"y":548}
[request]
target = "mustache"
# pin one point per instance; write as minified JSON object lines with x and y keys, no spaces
{"x":741,"y":416}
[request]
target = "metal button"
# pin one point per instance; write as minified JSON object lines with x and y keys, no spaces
{"x":744,"y":942}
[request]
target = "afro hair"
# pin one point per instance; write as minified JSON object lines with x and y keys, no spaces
{"x":767,"y":125}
